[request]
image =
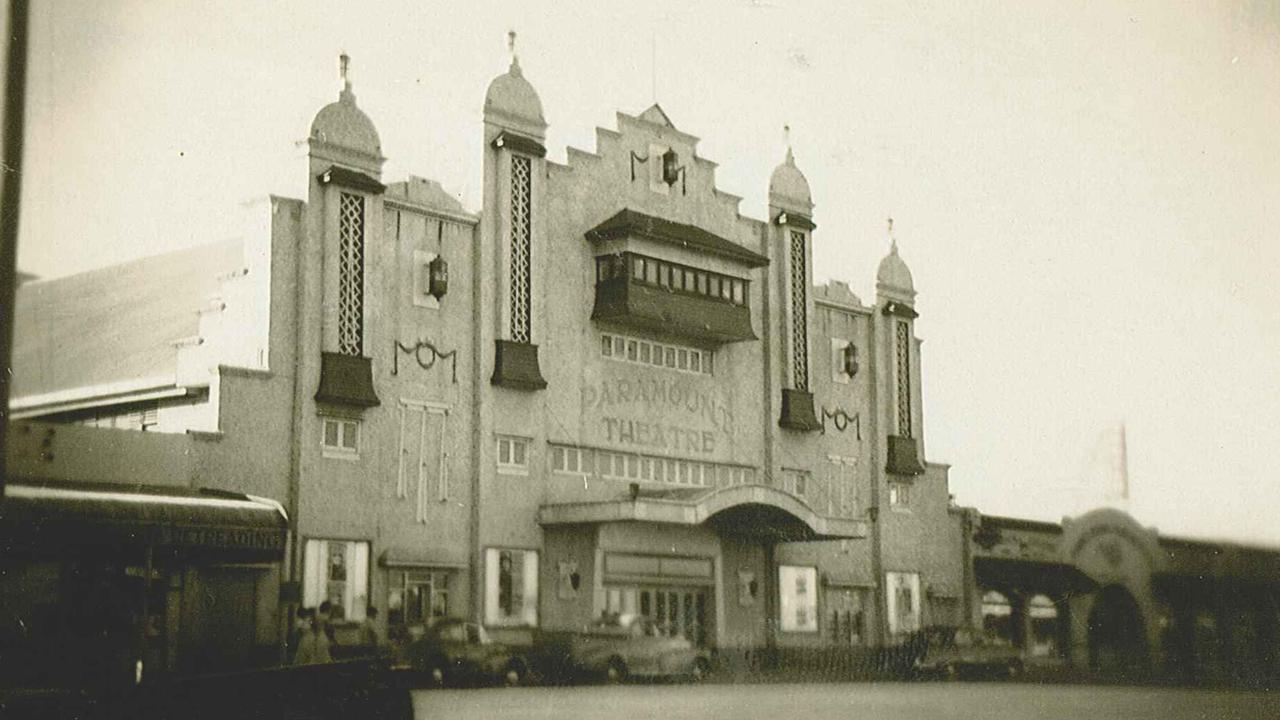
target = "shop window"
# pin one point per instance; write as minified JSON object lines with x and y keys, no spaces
{"x":997,"y":616}
{"x":899,"y":495}
{"x":798,"y":601}
{"x":419,"y":598}
{"x":341,"y":438}
{"x":511,"y":587}
{"x":337,"y":571}
{"x":513,"y":455}
{"x":1044,"y":626}
{"x":847,"y":618}
{"x":903,"y":596}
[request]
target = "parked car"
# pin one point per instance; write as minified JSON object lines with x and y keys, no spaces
{"x":623,"y":646}
{"x":963,"y":653}
{"x":455,"y":651}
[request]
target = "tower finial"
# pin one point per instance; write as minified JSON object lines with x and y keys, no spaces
{"x":893,"y":241}
{"x":344,"y":62}
{"x":786,"y":134}
{"x":511,"y":48}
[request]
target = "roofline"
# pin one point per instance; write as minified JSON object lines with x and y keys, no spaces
{"x":104,"y":395}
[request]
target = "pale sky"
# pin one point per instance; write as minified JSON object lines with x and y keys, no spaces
{"x":1088,"y":194}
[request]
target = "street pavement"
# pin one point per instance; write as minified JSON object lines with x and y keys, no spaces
{"x":895,"y":701}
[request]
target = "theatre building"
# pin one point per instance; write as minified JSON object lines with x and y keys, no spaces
{"x":610,"y":390}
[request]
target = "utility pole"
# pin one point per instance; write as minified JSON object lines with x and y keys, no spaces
{"x":15,"y":93}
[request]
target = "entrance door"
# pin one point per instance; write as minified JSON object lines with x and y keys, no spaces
{"x":227,"y":618}
{"x":1117,"y":639}
{"x":676,"y":611}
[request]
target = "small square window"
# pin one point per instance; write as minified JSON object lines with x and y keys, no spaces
{"x":899,"y":495}
{"x":341,"y":438}
{"x":682,"y":359}
{"x":633,"y":350}
{"x":651,"y":272}
{"x":695,"y":361}
{"x":619,"y":346}
{"x":606,"y":346}
{"x":513,"y":454}
{"x":646,"y":351}
{"x":637,"y":268}
{"x":671,"y":357}
{"x":738,"y":292}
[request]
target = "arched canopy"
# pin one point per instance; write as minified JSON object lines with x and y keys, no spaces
{"x":754,"y":510}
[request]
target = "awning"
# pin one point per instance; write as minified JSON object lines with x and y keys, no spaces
{"x":629,"y":222}
{"x":1031,"y":575}
{"x":45,"y":515}
{"x":754,"y":510}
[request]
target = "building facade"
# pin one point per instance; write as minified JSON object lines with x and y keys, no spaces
{"x":608,"y":391}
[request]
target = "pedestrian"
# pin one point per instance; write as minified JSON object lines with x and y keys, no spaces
{"x":369,"y":636}
{"x":325,"y":617}
{"x":313,"y":645}
{"x":301,"y":623}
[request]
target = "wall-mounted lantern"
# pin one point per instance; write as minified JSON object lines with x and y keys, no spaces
{"x":670,"y":171}
{"x":438,"y":277}
{"x":849,"y":358}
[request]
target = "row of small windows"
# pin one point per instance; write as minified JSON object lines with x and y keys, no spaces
{"x":672,"y":276}
{"x":611,"y":465}
{"x":657,"y":354}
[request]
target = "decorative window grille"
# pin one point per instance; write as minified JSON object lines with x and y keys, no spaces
{"x":904,"y":379}
{"x":799,"y":318}
{"x":521,"y":267}
{"x":350,"y":274}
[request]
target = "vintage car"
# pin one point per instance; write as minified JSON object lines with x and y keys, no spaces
{"x":625,"y":646}
{"x":454,"y":651}
{"x":964,"y":653}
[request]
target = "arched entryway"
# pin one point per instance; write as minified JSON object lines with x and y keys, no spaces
{"x":1117,"y":636}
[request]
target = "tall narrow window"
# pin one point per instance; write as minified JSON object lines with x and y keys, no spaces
{"x":521,"y":267}
{"x":799,"y":318}
{"x":904,"y":379}
{"x":350,"y":274}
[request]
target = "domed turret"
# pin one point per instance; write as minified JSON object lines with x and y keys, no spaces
{"x":788,"y":188}
{"x":894,"y":277}
{"x":511,"y":102}
{"x":341,"y":128}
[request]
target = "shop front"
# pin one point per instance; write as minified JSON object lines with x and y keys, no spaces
{"x":108,"y":585}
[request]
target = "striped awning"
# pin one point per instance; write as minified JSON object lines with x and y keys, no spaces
{"x":50,"y":515}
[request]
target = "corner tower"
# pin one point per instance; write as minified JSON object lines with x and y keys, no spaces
{"x":344,"y":210}
{"x":511,"y":224}
{"x":895,"y":300}
{"x":791,"y":227}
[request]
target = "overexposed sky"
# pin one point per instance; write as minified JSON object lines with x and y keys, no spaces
{"x":1088,"y":194}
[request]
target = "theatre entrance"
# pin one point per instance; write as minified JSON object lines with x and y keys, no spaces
{"x":676,"y":611}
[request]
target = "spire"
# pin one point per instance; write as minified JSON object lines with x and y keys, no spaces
{"x":893,"y":241}
{"x":511,"y":48}
{"x":786,"y":134}
{"x":344,"y":62}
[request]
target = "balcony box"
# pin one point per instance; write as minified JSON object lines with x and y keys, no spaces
{"x":630,"y":303}
{"x":797,"y":411}
{"x":515,"y":366}
{"x":904,"y":456}
{"x":346,"y":380}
